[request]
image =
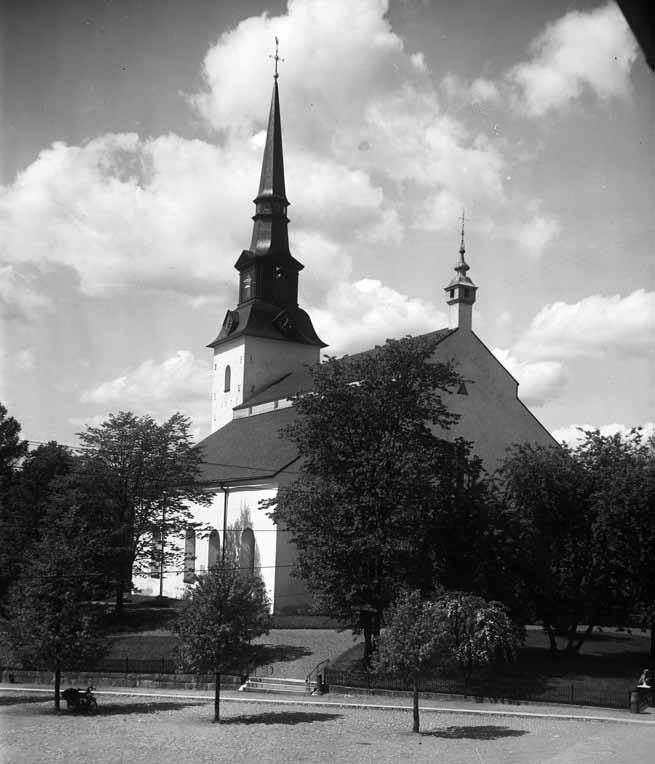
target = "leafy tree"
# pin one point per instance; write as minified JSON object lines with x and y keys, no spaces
{"x":548,"y":492}
{"x":27,"y":500}
{"x":478,"y":632}
{"x":583,"y":524}
{"x":222,"y":614}
{"x":147,"y":473}
{"x":52,"y":621}
{"x":377,"y":481}
{"x":623,"y":497}
{"x":455,"y":628}
{"x":12,"y":448}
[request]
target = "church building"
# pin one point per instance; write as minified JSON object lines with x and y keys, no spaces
{"x":260,"y":356}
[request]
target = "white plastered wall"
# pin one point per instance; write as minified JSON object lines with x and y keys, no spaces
{"x":243,"y":504}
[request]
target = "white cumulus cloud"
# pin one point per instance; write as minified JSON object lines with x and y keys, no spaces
{"x":365,"y":313}
{"x":581,"y":51}
{"x":539,"y":382}
{"x":177,"y":379}
{"x":593,"y":327}
{"x":20,"y":300}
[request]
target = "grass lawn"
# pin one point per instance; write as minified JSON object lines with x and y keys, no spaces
{"x":607,"y":667}
{"x":159,"y":731}
{"x":144,"y":632}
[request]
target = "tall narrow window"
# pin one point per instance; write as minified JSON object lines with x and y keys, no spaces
{"x":190,"y":556}
{"x":247,"y":551}
{"x":214,"y":548}
{"x":228,"y":379}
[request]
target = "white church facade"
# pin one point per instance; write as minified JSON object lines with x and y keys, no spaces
{"x":260,"y":358}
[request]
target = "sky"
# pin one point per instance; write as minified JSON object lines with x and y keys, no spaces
{"x":131,"y":135}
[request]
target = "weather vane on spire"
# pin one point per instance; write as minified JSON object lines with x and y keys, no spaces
{"x":276,"y":58}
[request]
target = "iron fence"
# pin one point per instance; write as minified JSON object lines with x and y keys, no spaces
{"x":571,"y":693}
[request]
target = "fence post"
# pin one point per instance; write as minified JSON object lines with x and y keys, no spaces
{"x":572,"y":694}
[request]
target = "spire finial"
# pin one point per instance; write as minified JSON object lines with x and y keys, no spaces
{"x":462,"y":249}
{"x":276,"y":57}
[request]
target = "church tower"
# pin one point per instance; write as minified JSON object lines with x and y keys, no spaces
{"x":267,"y":335}
{"x":460,"y":292}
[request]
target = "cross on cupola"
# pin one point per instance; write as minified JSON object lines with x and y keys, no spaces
{"x":461,"y":290}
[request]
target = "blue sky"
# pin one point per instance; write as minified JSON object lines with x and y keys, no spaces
{"x":131,"y":137}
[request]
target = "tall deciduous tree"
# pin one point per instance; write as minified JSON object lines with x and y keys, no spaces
{"x":377,"y":479}
{"x":147,"y":472}
{"x":584,"y":527}
{"x":26,"y":502}
{"x":52,"y":620}
{"x":421,"y":635}
{"x":223,"y":613}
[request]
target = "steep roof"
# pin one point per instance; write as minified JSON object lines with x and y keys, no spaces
{"x":248,"y":449}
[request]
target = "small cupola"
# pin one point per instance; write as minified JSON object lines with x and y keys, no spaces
{"x":460,"y":292}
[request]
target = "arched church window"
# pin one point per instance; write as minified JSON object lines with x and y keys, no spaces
{"x":247,"y":551}
{"x":228,"y":379}
{"x":214,"y":548}
{"x":189,"y":556}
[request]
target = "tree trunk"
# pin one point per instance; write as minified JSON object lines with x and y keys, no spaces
{"x":120,"y":593}
{"x":575,"y":648}
{"x":415,"y":725}
{"x":57,"y":684}
{"x":551,"y":638}
{"x":368,"y":640}
{"x":217,"y":698}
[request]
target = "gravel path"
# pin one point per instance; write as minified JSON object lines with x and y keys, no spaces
{"x":161,"y":730}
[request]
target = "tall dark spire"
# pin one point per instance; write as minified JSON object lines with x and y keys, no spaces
{"x":268,"y":273}
{"x":270,"y":232}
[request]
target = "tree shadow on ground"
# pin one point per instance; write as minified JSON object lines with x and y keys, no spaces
{"x":278,"y":653}
{"x":482,"y":732}
{"x":15,"y":700}
{"x":282,"y":717}
{"x":120,"y":709}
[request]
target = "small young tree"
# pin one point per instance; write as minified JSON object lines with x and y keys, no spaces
{"x":52,"y":620}
{"x":455,"y":628}
{"x":222,"y":614}
{"x":412,"y":642}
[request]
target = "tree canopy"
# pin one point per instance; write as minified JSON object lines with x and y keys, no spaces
{"x":452,"y":628}
{"x":26,"y":502}
{"x":147,"y":474}
{"x":583,"y":528}
{"x":378,"y":478}
{"x":12,"y":448}
{"x":52,"y":619}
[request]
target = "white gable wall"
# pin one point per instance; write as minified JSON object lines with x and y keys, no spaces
{"x":492,"y":416}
